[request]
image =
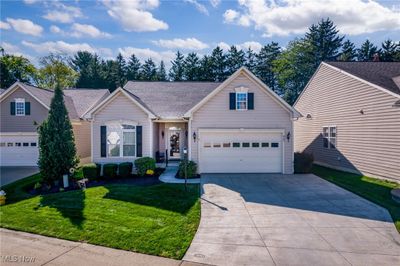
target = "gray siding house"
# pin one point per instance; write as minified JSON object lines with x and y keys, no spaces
{"x":23,"y":107}
{"x":351,"y":117}
{"x":239,"y":125}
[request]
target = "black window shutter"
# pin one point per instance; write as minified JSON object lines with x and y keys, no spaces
{"x":103,"y":141}
{"x":250,"y":101}
{"x":27,"y":108}
{"x":232,"y":101}
{"x":139,"y":137}
{"x":12,"y":108}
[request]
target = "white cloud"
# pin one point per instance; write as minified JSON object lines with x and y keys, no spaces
{"x":4,"y":25}
{"x":25,"y":26}
{"x":255,"y":46}
{"x":134,"y":15}
{"x":352,"y":17}
{"x":184,"y":44}
{"x":30,"y":2}
{"x":200,"y":7}
{"x":15,"y":50}
{"x":85,"y":30}
{"x":55,"y":29}
{"x":145,"y":53}
{"x":62,"y":13}
{"x":215,"y":3}
{"x":59,"y":47}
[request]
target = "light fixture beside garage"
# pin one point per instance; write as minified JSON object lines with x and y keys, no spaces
{"x":194,"y":136}
{"x":288,"y":136}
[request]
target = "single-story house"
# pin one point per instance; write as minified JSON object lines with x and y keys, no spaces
{"x":23,"y":107}
{"x":237,"y":126}
{"x":351,"y":117}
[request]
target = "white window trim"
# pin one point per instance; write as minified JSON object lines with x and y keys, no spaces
{"x":247,"y":101}
{"x":121,"y":147}
{"x":19,"y":101}
{"x":329,"y":137}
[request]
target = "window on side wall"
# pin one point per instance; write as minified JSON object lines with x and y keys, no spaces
{"x":241,"y":100}
{"x":20,"y":107}
{"x":329,"y":136}
{"x":121,"y":140}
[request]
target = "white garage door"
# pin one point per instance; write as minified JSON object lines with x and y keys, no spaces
{"x":19,"y":150}
{"x":240,"y":152}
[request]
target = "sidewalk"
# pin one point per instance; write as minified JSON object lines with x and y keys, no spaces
{"x":169,"y":175}
{"x":30,"y":249}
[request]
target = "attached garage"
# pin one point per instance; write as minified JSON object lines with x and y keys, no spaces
{"x":19,"y":150}
{"x":241,"y":151}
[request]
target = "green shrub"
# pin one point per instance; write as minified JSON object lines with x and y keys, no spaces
{"x":144,"y":164}
{"x":110,"y":170}
{"x":90,"y":171}
{"x":125,"y":169}
{"x":303,"y":162}
{"x":191,"y":169}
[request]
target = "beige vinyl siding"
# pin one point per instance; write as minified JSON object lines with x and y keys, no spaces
{"x":120,"y":108}
{"x":156,"y":138}
{"x":267,"y":114}
{"x":82,"y":138}
{"x":12,"y":123}
{"x":367,"y":143}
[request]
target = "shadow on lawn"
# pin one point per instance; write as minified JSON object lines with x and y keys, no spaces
{"x":170,"y":197}
{"x":69,"y":204}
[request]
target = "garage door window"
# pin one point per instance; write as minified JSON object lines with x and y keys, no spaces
{"x":246,"y":144}
{"x":274,"y":145}
{"x":217,"y":145}
{"x":17,"y":144}
{"x":10,"y":144}
{"x":236,"y":145}
{"x":207,"y":145}
{"x":255,"y":144}
{"x":2,"y":144}
{"x":265,"y":144}
{"x":226,"y":145}
{"x":33,"y":144}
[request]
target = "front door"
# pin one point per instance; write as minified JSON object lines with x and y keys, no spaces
{"x":174,"y":144}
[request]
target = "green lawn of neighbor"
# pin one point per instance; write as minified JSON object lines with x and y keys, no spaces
{"x":373,"y":189}
{"x":158,"y":220}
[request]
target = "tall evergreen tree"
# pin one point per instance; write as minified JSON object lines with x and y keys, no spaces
{"x":324,"y":41}
{"x":191,"y":67}
{"x":206,"y":73}
{"x":120,"y":71}
{"x":251,"y":58}
{"x":218,"y":64}
{"x":133,"y":68}
{"x":110,"y":74}
{"x":57,"y":152}
{"x":176,"y":71}
{"x":389,"y":49}
{"x":263,"y":68}
{"x":81,"y":63}
{"x":366,"y":51}
{"x":97,"y":74}
{"x":234,"y":60}
{"x":162,"y":73}
{"x":349,"y":51}
{"x":149,"y":71}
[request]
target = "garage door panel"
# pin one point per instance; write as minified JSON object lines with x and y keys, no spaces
{"x":19,"y":150}
{"x":258,"y":152}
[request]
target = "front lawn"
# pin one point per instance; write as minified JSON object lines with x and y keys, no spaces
{"x":159,"y":219}
{"x":375,"y":190}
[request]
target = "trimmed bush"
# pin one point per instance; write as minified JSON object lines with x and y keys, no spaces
{"x":110,"y":170}
{"x":144,"y":164}
{"x":125,"y":169}
{"x":191,"y":169}
{"x":303,"y":162}
{"x":90,"y":171}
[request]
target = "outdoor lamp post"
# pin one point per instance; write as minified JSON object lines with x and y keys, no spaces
{"x":185,"y":162}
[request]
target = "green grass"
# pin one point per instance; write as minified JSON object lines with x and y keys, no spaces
{"x":158,"y":220}
{"x":375,"y":190}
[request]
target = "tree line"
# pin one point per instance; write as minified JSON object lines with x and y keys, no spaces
{"x":285,"y":70}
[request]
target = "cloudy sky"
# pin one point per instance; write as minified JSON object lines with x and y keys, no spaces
{"x":156,"y":29}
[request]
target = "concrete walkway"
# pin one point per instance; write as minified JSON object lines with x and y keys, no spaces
{"x":169,"y":175}
{"x":289,"y":220}
{"x":9,"y":174}
{"x":18,"y":248}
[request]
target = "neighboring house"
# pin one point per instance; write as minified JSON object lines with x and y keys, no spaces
{"x":351,"y":117}
{"x":237,"y":126}
{"x":24,"y":107}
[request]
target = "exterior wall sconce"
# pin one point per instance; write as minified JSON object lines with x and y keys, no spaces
{"x":186,"y":133}
{"x":308,"y":117}
{"x":162,"y":134}
{"x":288,"y":136}
{"x":194,"y":136}
{"x":362,"y":111}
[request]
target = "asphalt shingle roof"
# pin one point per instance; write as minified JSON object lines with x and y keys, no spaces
{"x":170,"y":99}
{"x":379,"y":73}
{"x":77,"y":101}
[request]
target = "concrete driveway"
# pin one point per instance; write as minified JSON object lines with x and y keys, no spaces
{"x":9,"y":174}
{"x":260,"y":219}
